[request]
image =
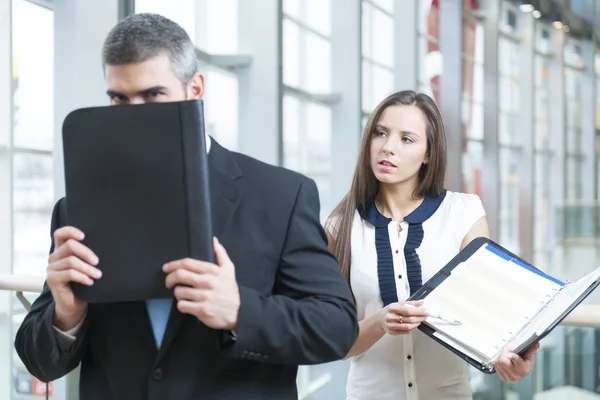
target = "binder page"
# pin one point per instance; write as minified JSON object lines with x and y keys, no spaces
{"x":492,"y":296}
{"x":556,"y":307}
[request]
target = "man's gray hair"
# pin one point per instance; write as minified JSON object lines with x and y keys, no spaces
{"x":140,"y":37}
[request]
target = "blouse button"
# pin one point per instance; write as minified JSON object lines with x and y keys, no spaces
{"x":409,"y":356}
{"x":396,"y":251}
{"x":410,"y":385}
{"x":399,"y":276}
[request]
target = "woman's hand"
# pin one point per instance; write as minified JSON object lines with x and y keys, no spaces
{"x":402,"y":318}
{"x":511,"y":367}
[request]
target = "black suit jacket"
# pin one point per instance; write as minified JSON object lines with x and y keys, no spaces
{"x":296,"y":307}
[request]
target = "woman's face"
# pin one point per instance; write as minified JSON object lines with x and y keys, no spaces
{"x":399,"y":145}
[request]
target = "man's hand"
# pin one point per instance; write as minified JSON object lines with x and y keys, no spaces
{"x":205,"y":290}
{"x":71,"y":261}
{"x":511,"y":367}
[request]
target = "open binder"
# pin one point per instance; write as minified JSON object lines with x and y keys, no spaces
{"x":500,"y":300}
{"x":137,"y":185}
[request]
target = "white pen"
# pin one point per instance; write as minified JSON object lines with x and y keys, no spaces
{"x":438,"y":316}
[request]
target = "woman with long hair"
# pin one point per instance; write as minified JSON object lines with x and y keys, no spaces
{"x":394,"y":230}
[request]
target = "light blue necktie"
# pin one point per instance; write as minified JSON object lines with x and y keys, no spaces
{"x":158,"y":311}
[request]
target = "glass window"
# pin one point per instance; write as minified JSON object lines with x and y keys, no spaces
{"x":382,"y":37}
{"x":317,"y":64}
{"x":472,"y":117}
{"x":26,"y":165}
{"x":430,"y":58}
{"x":378,"y":55}
{"x":32,"y":206}
{"x":306,"y":48}
{"x":472,"y":163}
{"x":318,"y":15}
{"x":182,"y":12}
{"x":387,"y":5}
{"x":307,"y":67}
{"x":291,"y":56}
{"x":221,"y":106}
{"x":211,"y":24}
{"x":542,"y":38}
{"x":509,"y":198}
{"x":33,"y":47}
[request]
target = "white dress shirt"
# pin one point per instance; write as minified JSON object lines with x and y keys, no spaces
{"x":407,"y":367}
{"x":158,"y":320}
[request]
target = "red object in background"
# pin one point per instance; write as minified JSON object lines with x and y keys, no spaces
{"x":39,"y":388}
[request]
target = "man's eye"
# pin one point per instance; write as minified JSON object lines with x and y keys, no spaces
{"x":154,"y":93}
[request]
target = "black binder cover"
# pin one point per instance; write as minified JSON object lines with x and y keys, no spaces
{"x":137,"y":185}
{"x":462,"y":256}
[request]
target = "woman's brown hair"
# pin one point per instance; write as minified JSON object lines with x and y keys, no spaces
{"x":365,"y":185}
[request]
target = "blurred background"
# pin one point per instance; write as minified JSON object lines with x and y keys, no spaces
{"x":291,"y":82}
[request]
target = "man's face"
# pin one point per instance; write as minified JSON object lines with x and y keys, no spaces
{"x":150,"y":81}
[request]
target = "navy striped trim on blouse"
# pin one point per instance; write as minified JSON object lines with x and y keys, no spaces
{"x":385,"y":263}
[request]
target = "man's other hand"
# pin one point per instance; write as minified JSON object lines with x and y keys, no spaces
{"x":205,"y":290}
{"x":71,"y":261}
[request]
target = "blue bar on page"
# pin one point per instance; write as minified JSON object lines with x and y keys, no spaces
{"x":506,"y":257}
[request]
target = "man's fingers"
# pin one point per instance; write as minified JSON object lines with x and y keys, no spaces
{"x":69,"y":275}
{"x":76,"y":264}
{"x":190,"y":293}
{"x":75,"y":248}
{"x":184,"y":276}
{"x":221,"y":254}
{"x":65,"y":233}
{"x":195,"y":266}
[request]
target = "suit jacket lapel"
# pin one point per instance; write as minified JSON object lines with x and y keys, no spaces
{"x":225,"y":193}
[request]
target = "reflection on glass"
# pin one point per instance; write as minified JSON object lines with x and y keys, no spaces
{"x":33,"y":76}
{"x":291,"y":133}
{"x":573,"y":176}
{"x":317,"y":63}
{"x":382,"y":38}
{"x":573,"y":138}
{"x":509,"y":198}
{"x":542,"y":207}
{"x":472,"y":163}
{"x":430,"y":56}
{"x":291,"y":56}
{"x":183,"y":12}
{"x":387,"y":5}
{"x":211,"y":24}
{"x":382,"y":81}
{"x":542,"y":38}
{"x":292,"y":8}
{"x":307,"y":142}
{"x":508,"y":129}
{"x":318,"y":15}
{"x":32,"y":208}
{"x":472,"y":118}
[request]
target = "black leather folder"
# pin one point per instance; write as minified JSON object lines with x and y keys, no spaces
{"x":137,"y":185}
{"x":540,"y":315}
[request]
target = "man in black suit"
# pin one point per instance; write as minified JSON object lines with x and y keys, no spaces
{"x":236,"y":330}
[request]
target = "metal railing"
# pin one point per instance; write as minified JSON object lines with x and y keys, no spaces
{"x":583,"y":316}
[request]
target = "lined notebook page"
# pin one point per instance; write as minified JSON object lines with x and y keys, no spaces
{"x":491,"y":296}
{"x":555,"y":308}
